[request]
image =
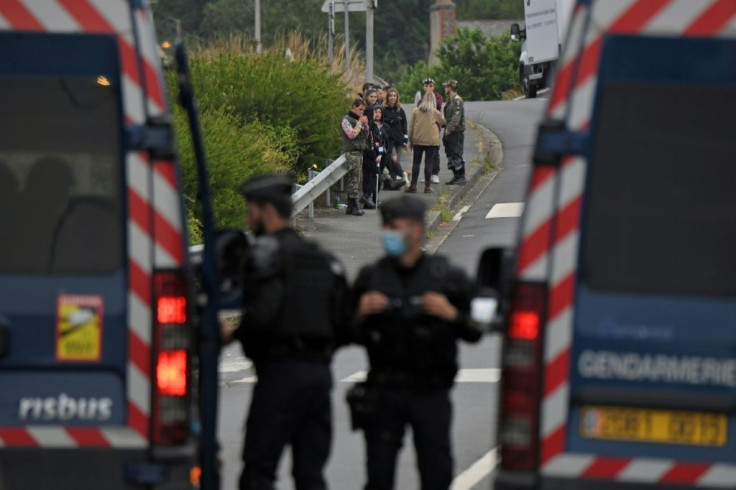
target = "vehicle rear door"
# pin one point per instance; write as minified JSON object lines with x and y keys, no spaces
{"x":64,"y":275}
{"x":654,"y":339}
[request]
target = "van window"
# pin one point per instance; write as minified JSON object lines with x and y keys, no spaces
{"x":60,"y":176}
{"x":661,"y":197}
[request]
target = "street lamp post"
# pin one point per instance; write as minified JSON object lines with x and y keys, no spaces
{"x":370,"y":7}
{"x":346,"y":5}
{"x":258,"y":26}
{"x":331,"y":34}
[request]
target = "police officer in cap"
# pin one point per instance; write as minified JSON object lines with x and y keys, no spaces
{"x":297,"y":312}
{"x":411,"y":310}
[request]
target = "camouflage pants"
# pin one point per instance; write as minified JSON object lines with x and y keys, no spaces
{"x":354,"y":177}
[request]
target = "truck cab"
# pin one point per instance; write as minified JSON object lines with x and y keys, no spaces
{"x":97,"y":336}
{"x":619,"y":355}
{"x":542,"y":38}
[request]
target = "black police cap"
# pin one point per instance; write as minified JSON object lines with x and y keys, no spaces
{"x":265,"y":187}
{"x":403,"y":207}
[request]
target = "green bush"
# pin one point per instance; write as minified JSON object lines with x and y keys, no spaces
{"x":234,"y":153}
{"x":485,"y":67}
{"x":300,"y":94}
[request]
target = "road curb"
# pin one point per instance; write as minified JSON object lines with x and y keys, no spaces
{"x":488,"y":146}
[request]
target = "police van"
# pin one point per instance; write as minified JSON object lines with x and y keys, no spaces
{"x":96,"y":331}
{"x":619,"y":357}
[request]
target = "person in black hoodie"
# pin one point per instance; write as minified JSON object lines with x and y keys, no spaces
{"x":395,"y":118}
{"x":375,"y":159}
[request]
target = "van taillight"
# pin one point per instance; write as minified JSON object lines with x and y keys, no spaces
{"x":171,"y":404}
{"x":522,"y":375}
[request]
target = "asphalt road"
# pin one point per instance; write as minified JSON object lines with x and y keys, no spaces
{"x":514,"y":123}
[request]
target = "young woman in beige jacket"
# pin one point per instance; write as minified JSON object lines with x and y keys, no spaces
{"x":424,"y":138}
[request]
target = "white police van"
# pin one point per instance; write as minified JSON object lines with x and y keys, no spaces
{"x":619,"y":358}
{"x":97,"y":338}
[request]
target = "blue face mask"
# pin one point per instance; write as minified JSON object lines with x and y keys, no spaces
{"x":393,"y":243}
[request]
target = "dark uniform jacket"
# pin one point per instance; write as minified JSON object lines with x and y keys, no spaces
{"x":406,"y":347}
{"x":284,"y":317}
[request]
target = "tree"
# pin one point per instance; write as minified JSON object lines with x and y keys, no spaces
{"x":490,"y":9}
{"x":484,"y":66}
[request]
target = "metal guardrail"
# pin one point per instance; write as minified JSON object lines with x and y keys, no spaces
{"x":318,"y":185}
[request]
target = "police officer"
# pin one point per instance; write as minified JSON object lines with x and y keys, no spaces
{"x":411,"y":310}
{"x":454,"y":137}
{"x":290,"y":332}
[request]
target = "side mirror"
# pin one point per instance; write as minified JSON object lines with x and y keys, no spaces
{"x":515,"y":32}
{"x":231,"y":249}
{"x":488,"y":308}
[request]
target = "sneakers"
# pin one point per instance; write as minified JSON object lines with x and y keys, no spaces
{"x":428,"y":190}
{"x":412,"y":189}
{"x":421,"y":179}
{"x":435,"y":179}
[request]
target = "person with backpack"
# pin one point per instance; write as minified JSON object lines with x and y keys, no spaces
{"x":291,"y":347}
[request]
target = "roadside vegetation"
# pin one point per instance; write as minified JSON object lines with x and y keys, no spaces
{"x":485,"y":66}
{"x":279,"y":110}
{"x":260,"y":113}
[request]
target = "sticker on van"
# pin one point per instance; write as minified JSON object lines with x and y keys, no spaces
{"x":79,"y":328}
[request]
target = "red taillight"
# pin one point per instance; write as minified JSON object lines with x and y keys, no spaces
{"x":171,"y":406}
{"x":171,"y":309}
{"x":522,"y":375}
{"x":524,"y":325}
{"x":171,"y":373}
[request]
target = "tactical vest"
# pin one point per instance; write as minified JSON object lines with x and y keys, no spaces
{"x":356,"y":144}
{"x":307,"y":306}
{"x":404,"y":344}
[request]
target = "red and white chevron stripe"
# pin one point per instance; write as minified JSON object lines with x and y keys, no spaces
{"x":550,"y":233}
{"x":155,"y":220}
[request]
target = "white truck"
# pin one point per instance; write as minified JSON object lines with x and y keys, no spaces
{"x":543,"y":35}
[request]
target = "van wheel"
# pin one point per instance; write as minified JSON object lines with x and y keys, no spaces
{"x":530,"y":91}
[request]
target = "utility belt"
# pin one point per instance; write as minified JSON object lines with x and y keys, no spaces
{"x":402,"y":379}
{"x":366,"y":400}
{"x":316,"y":350}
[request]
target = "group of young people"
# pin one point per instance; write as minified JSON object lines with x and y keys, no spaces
{"x":376,"y":131}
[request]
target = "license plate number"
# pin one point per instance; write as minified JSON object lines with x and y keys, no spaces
{"x":662,"y":426}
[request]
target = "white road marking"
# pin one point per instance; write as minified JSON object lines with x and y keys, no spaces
{"x":506,"y":210}
{"x":460,"y":213}
{"x":246,"y":380}
{"x":492,"y":375}
{"x":480,"y":469}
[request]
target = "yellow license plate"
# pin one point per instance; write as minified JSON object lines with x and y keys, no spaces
{"x":663,"y":426}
